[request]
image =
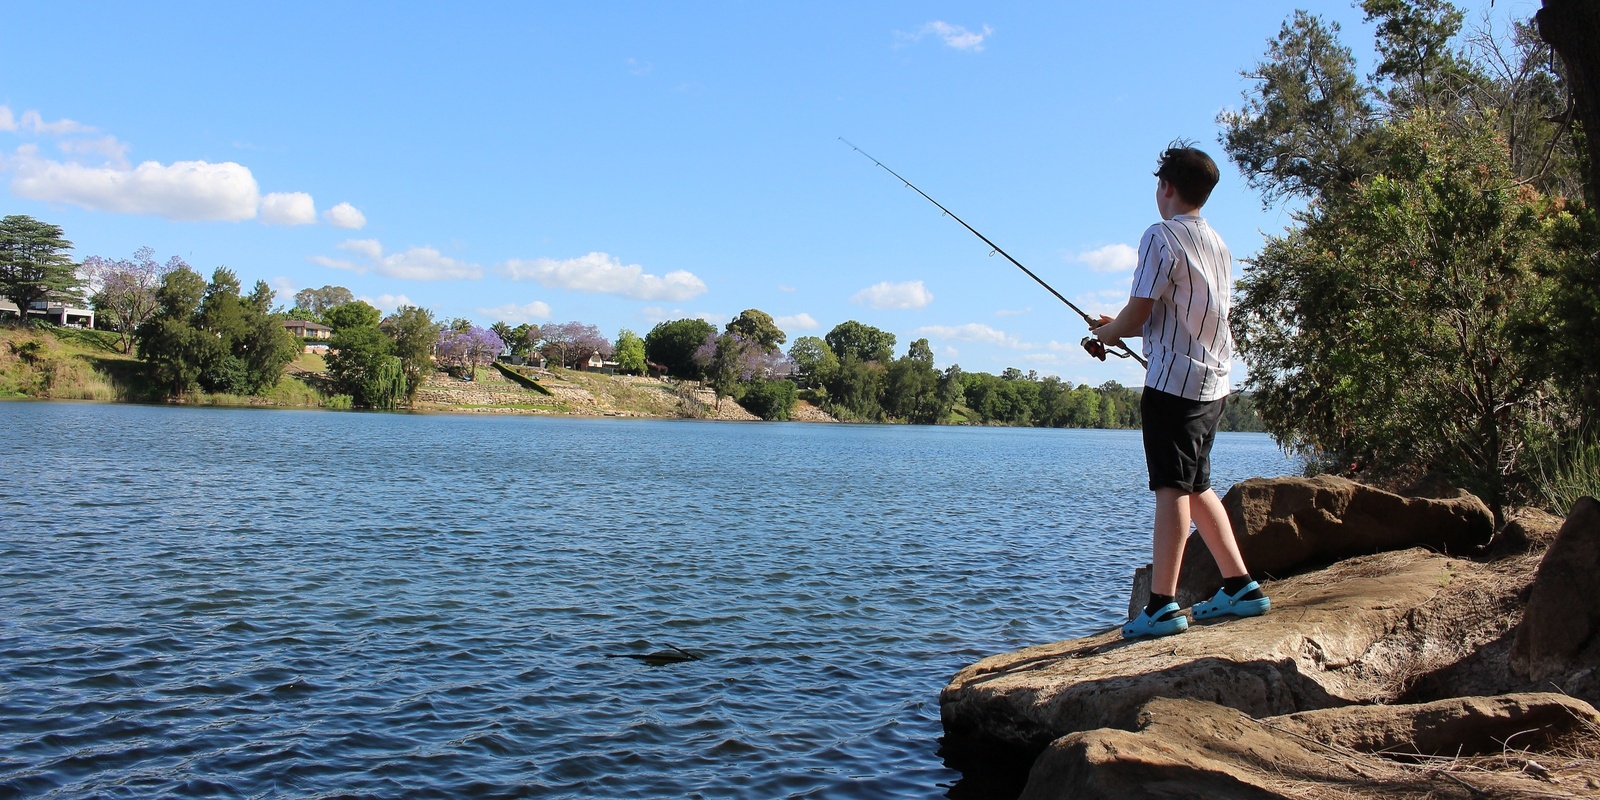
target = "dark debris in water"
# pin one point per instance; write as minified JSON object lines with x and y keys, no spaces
{"x":661,"y":658}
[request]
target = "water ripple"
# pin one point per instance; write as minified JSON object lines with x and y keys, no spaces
{"x":230,"y":603}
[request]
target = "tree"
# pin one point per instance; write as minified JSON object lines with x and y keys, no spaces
{"x":34,"y":266}
{"x":354,"y":314}
{"x":1404,"y":326}
{"x":814,"y":360}
{"x":630,"y":353}
{"x":206,"y":336}
{"x":123,"y":291}
{"x":504,"y":331}
{"x":856,"y":391}
{"x":673,"y":345}
{"x":570,"y":343}
{"x":312,"y":304}
{"x":1572,"y":27}
{"x":1419,"y":66}
{"x":770,"y":399}
{"x":727,"y":361}
{"x":920,"y":350}
{"x":1305,"y":124}
{"x":467,"y":350}
{"x":757,"y":326}
{"x":865,"y":342}
{"x":358,"y":362}
{"x":414,"y":334}
{"x":1526,"y":99}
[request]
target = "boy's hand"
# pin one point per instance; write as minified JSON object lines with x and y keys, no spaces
{"x":1096,"y":330}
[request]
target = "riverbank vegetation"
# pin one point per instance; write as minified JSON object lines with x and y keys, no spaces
{"x":1433,"y":307}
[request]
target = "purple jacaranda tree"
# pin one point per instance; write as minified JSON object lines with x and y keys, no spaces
{"x":569,"y":343}
{"x":730,"y":359}
{"x":123,"y":291}
{"x":468,"y":349}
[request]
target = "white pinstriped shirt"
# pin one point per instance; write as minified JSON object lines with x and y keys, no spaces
{"x":1185,"y":267}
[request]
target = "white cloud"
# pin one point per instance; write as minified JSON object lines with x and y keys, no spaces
{"x":32,"y":122}
{"x":973,"y":332}
{"x":283,"y":290}
{"x":95,"y":174}
{"x":415,"y":264}
{"x":516,"y":315}
{"x":288,"y":208}
{"x":797,"y":322}
{"x":910,"y":294}
{"x":106,"y":147}
{"x":954,"y":36}
{"x":387,"y":303}
{"x":339,"y":263}
{"x":345,"y":216}
{"x":785,"y":288}
{"x":370,"y":248}
{"x":1111,"y":258}
{"x":184,"y":190}
{"x":426,"y":264}
{"x":605,"y":274}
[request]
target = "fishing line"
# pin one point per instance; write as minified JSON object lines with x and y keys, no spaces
{"x":1089,"y":343}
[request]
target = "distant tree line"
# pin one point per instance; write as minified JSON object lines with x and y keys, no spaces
{"x":193,"y":335}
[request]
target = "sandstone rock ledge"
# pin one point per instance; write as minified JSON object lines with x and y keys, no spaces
{"x":1373,"y":677}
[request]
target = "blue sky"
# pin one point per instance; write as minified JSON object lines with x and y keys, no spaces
{"x":622,"y":164}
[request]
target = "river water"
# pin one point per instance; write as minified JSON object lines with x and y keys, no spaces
{"x":247,"y":603}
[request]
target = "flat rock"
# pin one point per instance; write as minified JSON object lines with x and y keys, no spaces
{"x":1452,"y":727}
{"x":1286,"y":526}
{"x":1194,"y":749}
{"x":1354,"y":633}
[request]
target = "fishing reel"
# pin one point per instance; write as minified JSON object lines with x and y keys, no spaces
{"x":1098,"y":349}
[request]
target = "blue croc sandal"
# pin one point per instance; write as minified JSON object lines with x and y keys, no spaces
{"x":1224,"y":604}
{"x":1146,"y":625}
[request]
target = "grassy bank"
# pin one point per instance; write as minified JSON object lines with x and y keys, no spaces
{"x":63,"y":364}
{"x":55,"y":363}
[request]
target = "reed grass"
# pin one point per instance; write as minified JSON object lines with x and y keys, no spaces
{"x":1568,"y":469}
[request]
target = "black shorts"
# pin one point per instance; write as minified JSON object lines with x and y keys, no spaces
{"x":1178,"y":433}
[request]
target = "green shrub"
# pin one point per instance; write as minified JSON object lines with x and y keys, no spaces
{"x":340,"y":402}
{"x":771,"y":400}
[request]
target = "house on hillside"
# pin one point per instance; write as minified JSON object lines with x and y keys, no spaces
{"x":311,"y":333}
{"x":308,"y":330}
{"x":54,"y":311}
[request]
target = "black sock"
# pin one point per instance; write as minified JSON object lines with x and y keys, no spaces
{"x":1233,"y":585}
{"x":1158,"y":602}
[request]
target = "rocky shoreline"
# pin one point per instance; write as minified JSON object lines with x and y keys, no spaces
{"x":1411,"y":651}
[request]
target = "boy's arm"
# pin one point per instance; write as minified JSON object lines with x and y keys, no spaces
{"x":1128,"y":324}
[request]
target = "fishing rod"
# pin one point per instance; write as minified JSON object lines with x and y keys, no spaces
{"x":1095,"y":347}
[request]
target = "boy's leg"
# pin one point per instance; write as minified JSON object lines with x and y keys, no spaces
{"x":1239,"y":595}
{"x":1171,"y":532}
{"x":1212,"y":520}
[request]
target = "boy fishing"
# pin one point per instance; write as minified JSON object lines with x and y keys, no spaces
{"x":1179,"y":307}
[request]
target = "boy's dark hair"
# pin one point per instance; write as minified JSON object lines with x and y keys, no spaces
{"x":1188,"y":170}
